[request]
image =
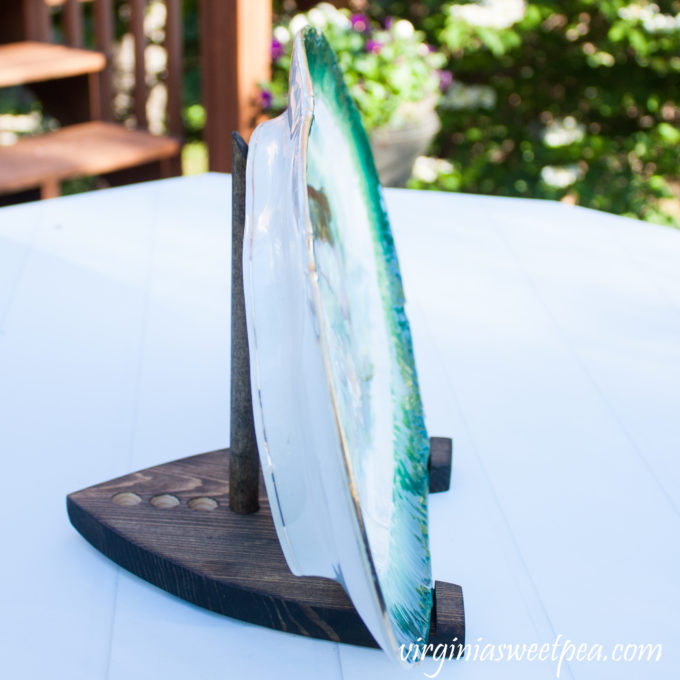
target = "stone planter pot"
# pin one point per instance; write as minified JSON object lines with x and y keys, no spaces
{"x":397,"y":145}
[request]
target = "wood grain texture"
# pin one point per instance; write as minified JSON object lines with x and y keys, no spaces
{"x":31,"y":62}
{"x":86,"y":149}
{"x":235,"y":57}
{"x":226,"y":562}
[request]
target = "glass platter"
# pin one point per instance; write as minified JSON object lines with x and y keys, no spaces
{"x":338,"y":415}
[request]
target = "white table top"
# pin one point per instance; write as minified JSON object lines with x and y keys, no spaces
{"x":547,"y":340}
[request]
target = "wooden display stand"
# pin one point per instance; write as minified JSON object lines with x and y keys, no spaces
{"x":201,"y":527}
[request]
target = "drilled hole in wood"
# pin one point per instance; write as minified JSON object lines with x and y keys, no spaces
{"x":203,"y":503}
{"x":164,"y":501}
{"x":126,"y":498}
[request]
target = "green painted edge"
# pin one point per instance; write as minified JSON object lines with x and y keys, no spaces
{"x":409,"y":612}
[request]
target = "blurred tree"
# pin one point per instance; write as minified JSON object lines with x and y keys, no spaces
{"x":574,"y":100}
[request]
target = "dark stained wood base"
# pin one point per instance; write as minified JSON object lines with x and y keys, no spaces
{"x":441,"y":462}
{"x":171,"y":525}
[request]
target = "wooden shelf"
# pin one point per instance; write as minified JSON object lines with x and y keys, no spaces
{"x":32,"y":62}
{"x":93,"y":148}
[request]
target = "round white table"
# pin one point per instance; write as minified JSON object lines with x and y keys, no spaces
{"x":547,"y":339}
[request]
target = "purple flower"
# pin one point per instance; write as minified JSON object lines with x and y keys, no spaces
{"x":373,"y":46}
{"x":445,"y":80}
{"x":360,"y":23}
{"x":277,"y":49}
{"x":387,"y":23}
{"x":265,"y":99}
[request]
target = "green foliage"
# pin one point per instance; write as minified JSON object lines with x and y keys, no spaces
{"x":384,"y":65}
{"x":576,"y":100}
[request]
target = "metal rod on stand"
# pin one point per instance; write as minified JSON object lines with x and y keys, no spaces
{"x":244,"y":462}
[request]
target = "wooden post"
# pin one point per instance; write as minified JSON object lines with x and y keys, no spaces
{"x":37,"y":21}
{"x":104,"y":35}
{"x":138,"y":9}
{"x":73,"y":22}
{"x":244,"y":466}
{"x":235,"y":57}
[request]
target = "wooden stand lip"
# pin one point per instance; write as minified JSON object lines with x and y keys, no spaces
{"x":440,"y":464}
{"x":188,"y":553}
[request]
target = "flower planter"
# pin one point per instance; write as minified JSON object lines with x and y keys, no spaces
{"x":397,"y":145}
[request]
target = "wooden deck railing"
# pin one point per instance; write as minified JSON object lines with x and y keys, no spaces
{"x":235,"y":57}
{"x":235,"y":37}
{"x":103,"y":39}
{"x":73,"y":23}
{"x":42,"y":17}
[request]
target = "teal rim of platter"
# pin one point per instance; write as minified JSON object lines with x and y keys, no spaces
{"x":405,"y":579}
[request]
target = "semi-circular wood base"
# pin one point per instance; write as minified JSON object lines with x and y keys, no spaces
{"x":171,"y":525}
